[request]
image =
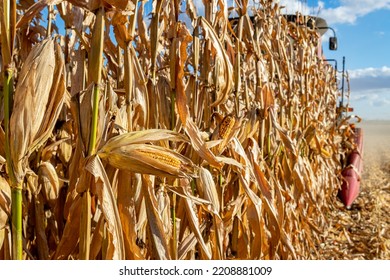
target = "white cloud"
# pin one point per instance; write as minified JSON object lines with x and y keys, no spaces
{"x":370,"y":80}
{"x":347,"y":12}
{"x":370,"y":92}
{"x":370,"y":72}
{"x":371,"y":104}
{"x":350,"y":10}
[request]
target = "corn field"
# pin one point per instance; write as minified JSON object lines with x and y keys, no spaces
{"x":170,"y":135}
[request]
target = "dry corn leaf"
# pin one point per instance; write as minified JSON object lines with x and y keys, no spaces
{"x":196,"y":226}
{"x":124,"y":5}
{"x":188,"y":244}
{"x":184,"y":38}
{"x":128,"y":216}
{"x":274,"y":186}
{"x":199,"y":145}
{"x":5,"y":202}
{"x":69,"y":239}
{"x":224,"y":80}
{"x":34,"y":10}
{"x":90,"y":5}
{"x":48,"y":178}
{"x":156,"y":226}
{"x":104,"y":193}
{"x":254,"y":217}
{"x":40,"y":228}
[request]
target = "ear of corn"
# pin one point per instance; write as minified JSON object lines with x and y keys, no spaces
{"x":149,"y":159}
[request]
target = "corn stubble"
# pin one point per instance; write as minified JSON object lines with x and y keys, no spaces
{"x":213,"y":140}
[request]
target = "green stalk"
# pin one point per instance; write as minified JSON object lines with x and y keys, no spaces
{"x":95,"y":66}
{"x":16,"y":210}
{"x":8,"y":24}
{"x":95,"y":75}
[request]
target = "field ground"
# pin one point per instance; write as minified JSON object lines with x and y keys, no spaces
{"x":364,"y":231}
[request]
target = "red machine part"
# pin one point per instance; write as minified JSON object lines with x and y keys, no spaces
{"x":352,"y":172}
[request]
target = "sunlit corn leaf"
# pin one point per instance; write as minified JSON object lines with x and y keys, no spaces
{"x":184,"y":38}
{"x":199,"y":145}
{"x":124,"y":5}
{"x":128,"y":216}
{"x":142,"y":137}
{"x":155,"y":223}
{"x":224,"y":80}
{"x":195,"y":227}
{"x":102,"y":189}
{"x":34,"y":10}
{"x":49,"y":181}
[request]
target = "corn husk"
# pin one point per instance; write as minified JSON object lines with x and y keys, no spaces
{"x":38,"y":100}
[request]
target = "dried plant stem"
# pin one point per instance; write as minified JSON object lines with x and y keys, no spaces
{"x":94,"y":124}
{"x":8,"y":91}
{"x":85,"y":226}
{"x":95,"y":75}
{"x":17,"y":245}
{"x":174,"y":230}
{"x":154,"y":38}
{"x":49,"y":18}
{"x":128,"y":86}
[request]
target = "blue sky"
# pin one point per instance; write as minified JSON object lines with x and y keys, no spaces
{"x":363,"y":32}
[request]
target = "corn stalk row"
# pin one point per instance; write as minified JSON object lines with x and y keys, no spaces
{"x":169,"y":135}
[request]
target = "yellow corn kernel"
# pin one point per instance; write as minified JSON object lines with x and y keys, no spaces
{"x":226,"y":127}
{"x":167,"y":159}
